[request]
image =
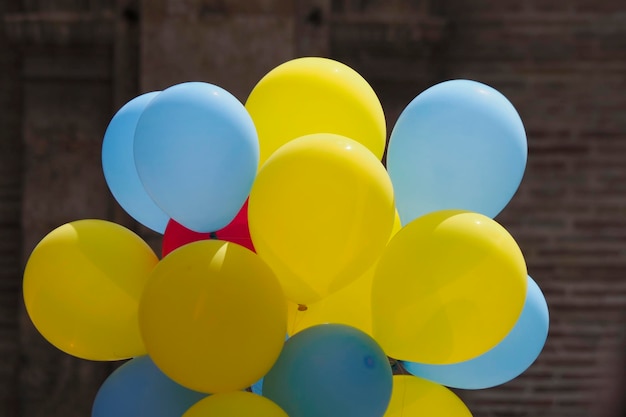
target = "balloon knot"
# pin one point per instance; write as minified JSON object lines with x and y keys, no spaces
{"x":302,"y":307}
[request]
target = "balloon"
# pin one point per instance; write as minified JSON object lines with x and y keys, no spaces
{"x":509,"y":359}
{"x":462,"y":280}
{"x":416,"y":397}
{"x":321,"y":211}
{"x":458,"y":145}
{"x":316,"y":95}
{"x":197,"y":152}
{"x":235,"y":404}
{"x":139,"y":389}
{"x":330,"y":370}
{"x":177,"y":235}
{"x":350,"y":305}
{"x":82,"y":285}
{"x":208,"y":305}
{"x":118,"y":165}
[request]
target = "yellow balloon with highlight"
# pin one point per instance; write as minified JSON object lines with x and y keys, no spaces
{"x":82,"y":286}
{"x":213,"y":316}
{"x":449,"y":287}
{"x":315,"y":95}
{"x":235,"y":404}
{"x":415,"y":397}
{"x":320,"y":213}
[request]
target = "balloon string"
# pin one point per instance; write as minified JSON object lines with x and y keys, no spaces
{"x":299,"y":316}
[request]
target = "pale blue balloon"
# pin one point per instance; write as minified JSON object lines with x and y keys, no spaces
{"x":458,"y":145}
{"x":330,"y":370}
{"x":507,"y":360}
{"x":139,"y":389}
{"x":197,"y":152}
{"x":118,"y":164}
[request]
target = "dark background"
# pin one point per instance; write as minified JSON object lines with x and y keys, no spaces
{"x":66,"y":66}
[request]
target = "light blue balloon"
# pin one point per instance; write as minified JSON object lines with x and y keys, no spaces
{"x":118,"y":164}
{"x":458,"y":145}
{"x":197,"y":152}
{"x":257,"y":387}
{"x":330,"y":370}
{"x":139,"y":389}
{"x":507,"y":360}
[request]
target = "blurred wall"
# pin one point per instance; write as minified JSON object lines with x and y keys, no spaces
{"x":68,"y":65}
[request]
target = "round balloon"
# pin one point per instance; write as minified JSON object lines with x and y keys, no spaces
{"x":82,"y":285}
{"x":509,"y":359}
{"x":209,"y":305}
{"x":416,"y":397}
{"x":196,"y":151}
{"x":321,"y":211}
{"x":118,"y":165}
{"x":235,"y":404}
{"x":458,"y":145}
{"x":316,"y":95}
{"x":139,"y":389}
{"x":463,"y":283}
{"x":330,"y":370}
{"x":177,"y":235}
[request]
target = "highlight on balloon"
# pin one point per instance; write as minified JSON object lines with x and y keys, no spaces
{"x":299,"y":274}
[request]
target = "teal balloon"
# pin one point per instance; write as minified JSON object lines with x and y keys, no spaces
{"x":509,"y":359}
{"x":458,"y":145}
{"x":139,"y":389}
{"x":330,"y":370}
{"x":118,"y":165}
{"x":197,"y":152}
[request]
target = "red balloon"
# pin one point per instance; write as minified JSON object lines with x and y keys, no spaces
{"x":237,"y":231}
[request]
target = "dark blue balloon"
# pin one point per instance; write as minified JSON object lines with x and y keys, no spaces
{"x":330,"y":370}
{"x":139,"y":389}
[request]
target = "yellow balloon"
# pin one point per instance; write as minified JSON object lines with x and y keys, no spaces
{"x":320,"y":212}
{"x":213,"y":316}
{"x":313,"y":95}
{"x":350,"y":305}
{"x":449,"y":286}
{"x":82,"y":286}
{"x":416,"y":397}
{"x":235,"y":404}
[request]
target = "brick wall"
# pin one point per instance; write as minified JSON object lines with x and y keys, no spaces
{"x":561,"y":63}
{"x":10,"y":238}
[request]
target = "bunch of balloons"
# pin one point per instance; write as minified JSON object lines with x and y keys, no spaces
{"x":294,"y":263}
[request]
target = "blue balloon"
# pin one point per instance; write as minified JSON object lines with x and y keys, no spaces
{"x":330,"y":370}
{"x":504,"y":362}
{"x":197,"y":153}
{"x":458,"y":145}
{"x":257,"y":387}
{"x":139,"y":389}
{"x":118,"y":164}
